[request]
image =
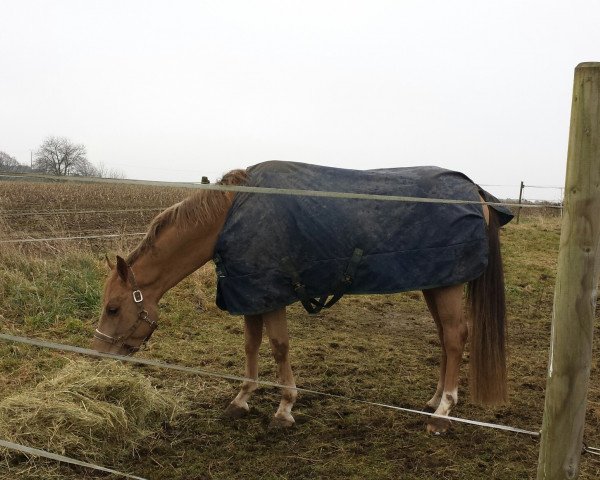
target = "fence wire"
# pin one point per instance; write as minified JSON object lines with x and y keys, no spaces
{"x":199,"y":371}
{"x":240,"y":188}
{"x":61,"y":239}
{"x":280,"y":191}
{"x":61,"y":458}
{"x":78,"y":212}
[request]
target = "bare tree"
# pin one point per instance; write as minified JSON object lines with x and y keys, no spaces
{"x":10,"y":164}
{"x":106,"y":172}
{"x":59,"y":156}
{"x":86,"y":169}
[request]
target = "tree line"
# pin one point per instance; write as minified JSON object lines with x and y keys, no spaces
{"x":58,"y":156}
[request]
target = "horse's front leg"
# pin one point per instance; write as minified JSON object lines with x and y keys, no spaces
{"x":253,"y":328}
{"x":276,"y":326}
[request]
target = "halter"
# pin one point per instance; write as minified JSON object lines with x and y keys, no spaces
{"x":143,"y":316}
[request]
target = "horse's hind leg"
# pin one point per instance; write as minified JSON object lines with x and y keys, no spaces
{"x":253,"y":328}
{"x":276,"y":326}
{"x":433,"y":403}
{"x":448,"y":303}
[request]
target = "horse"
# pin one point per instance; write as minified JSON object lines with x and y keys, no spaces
{"x":203,"y":226}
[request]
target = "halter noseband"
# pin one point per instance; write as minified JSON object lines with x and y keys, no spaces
{"x":143,"y":316}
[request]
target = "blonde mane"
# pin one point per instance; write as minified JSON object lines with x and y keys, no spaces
{"x":203,"y":206}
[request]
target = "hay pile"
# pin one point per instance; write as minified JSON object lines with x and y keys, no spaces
{"x":95,"y":411}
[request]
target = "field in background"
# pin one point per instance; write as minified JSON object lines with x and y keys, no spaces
{"x":381,"y":348}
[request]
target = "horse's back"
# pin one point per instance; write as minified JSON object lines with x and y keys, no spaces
{"x":404,"y":245}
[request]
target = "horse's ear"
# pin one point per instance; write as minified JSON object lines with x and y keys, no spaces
{"x":108,"y":262}
{"x":122,"y":269}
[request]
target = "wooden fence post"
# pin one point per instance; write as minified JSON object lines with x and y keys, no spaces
{"x":575,"y":291}
{"x":520,"y":197}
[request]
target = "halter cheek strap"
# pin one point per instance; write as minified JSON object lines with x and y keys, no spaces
{"x":143,"y":316}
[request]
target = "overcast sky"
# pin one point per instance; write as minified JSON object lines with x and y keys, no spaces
{"x":175,"y":90}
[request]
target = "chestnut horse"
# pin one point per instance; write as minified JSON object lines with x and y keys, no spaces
{"x":183,"y":237}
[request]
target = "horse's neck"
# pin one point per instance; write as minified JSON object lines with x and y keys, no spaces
{"x":176,"y":254}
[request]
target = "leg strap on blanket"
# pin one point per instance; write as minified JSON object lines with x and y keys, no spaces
{"x":219,"y":267}
{"x":312,"y":305}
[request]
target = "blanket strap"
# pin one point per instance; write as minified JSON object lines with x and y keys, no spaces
{"x":312,"y":305}
{"x":346,"y":280}
{"x":219,"y":267}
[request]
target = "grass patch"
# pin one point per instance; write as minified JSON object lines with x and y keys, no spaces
{"x":44,"y":291}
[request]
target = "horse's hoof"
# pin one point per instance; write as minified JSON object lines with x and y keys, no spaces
{"x":235,"y":411}
{"x":282,"y":422}
{"x":437,"y":426}
{"x":429,"y":409}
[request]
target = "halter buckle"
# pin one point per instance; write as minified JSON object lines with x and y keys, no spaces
{"x":137,"y":296}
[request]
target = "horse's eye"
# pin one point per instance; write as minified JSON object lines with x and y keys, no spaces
{"x":112,"y":310}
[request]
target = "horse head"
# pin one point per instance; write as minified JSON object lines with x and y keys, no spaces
{"x":128,"y":319}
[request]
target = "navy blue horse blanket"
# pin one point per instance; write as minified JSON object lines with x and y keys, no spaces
{"x":277,"y":249}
